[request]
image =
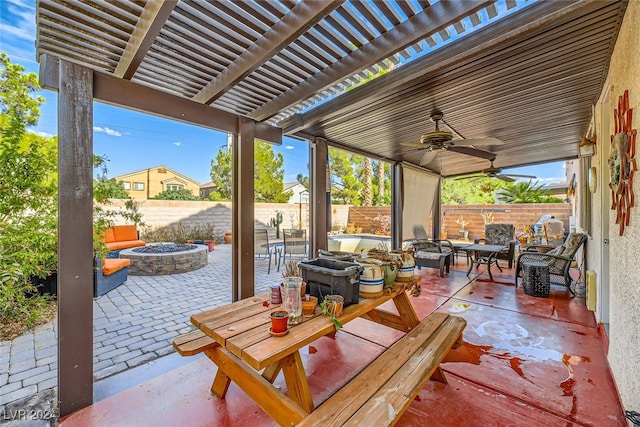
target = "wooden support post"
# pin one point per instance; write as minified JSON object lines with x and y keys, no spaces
{"x":75,"y":237}
{"x":320,"y":200}
{"x":243,"y":211}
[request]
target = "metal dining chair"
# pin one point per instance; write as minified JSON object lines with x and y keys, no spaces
{"x":295,"y":244}
{"x":262,"y":248}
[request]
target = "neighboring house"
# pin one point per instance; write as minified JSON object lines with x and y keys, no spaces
{"x":299,"y":193}
{"x":207,"y":189}
{"x":148,"y":183}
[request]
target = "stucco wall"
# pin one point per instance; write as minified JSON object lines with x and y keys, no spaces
{"x":624,"y":338}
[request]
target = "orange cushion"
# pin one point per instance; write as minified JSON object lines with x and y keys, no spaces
{"x":109,"y":235}
{"x":111,"y":265}
{"x":114,"y":246}
{"x":125,"y":232}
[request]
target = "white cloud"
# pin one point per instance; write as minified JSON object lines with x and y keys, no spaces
{"x":107,"y":131}
{"x":25,"y":27}
{"x":289,"y":147}
{"x":40,"y":133}
{"x":177,"y":143}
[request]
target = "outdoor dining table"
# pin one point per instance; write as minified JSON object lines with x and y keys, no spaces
{"x":484,"y":254}
{"x":245,"y":347}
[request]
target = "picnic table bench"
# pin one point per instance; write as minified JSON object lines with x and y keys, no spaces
{"x":235,"y":337}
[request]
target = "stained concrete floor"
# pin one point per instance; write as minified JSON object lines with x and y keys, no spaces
{"x":525,"y":361}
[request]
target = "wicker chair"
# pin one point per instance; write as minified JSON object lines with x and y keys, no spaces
{"x":559,"y":260}
{"x":423,"y":244}
{"x":504,"y":235}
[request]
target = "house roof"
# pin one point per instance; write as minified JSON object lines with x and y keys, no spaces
{"x":524,"y":72}
{"x":290,"y":185}
{"x":169,"y":172}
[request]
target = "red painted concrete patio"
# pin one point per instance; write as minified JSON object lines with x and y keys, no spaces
{"x":525,"y":361}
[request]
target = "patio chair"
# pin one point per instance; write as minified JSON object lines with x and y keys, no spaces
{"x":262,"y":248}
{"x":558,"y":260}
{"x":422,"y":243}
{"x":294,"y":244}
{"x":504,"y":235}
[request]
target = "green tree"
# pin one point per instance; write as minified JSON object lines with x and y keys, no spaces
{"x":269,"y":175}
{"x":28,"y":202}
{"x":345,"y":184}
{"x":382,"y":183}
{"x":221,"y":175}
{"x":367,"y":194}
{"x":304,"y":180}
{"x":464,"y":192}
{"x":104,"y":187}
{"x":182,"y":194}
{"x":526,"y":192}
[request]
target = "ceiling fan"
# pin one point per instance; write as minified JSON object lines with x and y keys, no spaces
{"x":494,"y":172}
{"x":439,"y":140}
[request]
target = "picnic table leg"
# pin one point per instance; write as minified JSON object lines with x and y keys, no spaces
{"x":221,"y":381}
{"x":438,"y":375}
{"x":282,"y":408}
{"x":296,"y":380}
{"x":271,"y":372}
{"x":405,"y":310}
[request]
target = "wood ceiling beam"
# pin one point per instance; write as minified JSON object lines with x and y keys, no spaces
{"x":302,"y":17}
{"x":127,"y":94}
{"x":152,"y":19}
{"x":527,"y":21}
{"x":433,"y":19}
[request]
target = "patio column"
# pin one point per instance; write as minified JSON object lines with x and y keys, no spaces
{"x":320,"y":198}
{"x":243,"y":262}
{"x":396,"y":206}
{"x":75,"y":237}
{"x":435,"y":212}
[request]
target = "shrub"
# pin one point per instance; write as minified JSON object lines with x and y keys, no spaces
{"x":180,"y":233}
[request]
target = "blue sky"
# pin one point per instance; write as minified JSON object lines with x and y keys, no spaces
{"x":134,"y":141}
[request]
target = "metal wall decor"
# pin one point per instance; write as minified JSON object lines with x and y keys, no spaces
{"x":622,"y":162}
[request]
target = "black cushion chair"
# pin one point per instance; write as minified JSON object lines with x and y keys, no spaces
{"x":504,"y":235}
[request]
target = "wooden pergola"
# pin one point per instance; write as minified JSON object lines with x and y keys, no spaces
{"x":524,"y":72}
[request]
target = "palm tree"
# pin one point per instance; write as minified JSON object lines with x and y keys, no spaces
{"x":526,"y":192}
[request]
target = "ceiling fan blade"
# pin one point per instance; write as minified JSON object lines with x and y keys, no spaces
{"x":478,"y":141}
{"x":505,"y":178}
{"x":428,"y":157}
{"x":472,"y":152}
{"x":515,"y":175}
{"x":469,"y":177}
{"x":414,"y":144}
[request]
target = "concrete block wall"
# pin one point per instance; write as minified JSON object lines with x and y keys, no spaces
{"x":162,"y":213}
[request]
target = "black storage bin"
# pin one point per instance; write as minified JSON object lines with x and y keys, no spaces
{"x":332,"y":277}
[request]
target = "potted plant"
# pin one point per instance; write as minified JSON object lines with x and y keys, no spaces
{"x":309,"y":303}
{"x":279,"y":321}
{"x":464,"y":234}
{"x":332,"y":306}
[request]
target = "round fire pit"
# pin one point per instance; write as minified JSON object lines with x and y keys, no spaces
{"x":169,"y":258}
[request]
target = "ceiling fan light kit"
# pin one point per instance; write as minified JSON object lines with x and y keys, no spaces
{"x":439,"y":140}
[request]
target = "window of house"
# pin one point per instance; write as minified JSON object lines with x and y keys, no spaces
{"x":175,"y":187}
{"x":126,"y":185}
{"x":138,"y":185}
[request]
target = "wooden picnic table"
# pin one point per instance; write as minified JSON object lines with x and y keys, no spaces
{"x":243,"y":347}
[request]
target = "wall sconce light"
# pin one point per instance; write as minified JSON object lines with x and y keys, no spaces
{"x":587,"y":147}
